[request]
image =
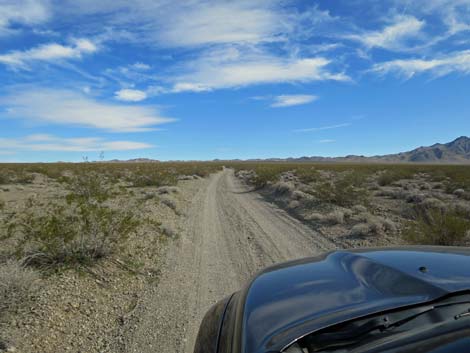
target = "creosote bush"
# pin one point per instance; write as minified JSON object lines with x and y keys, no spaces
{"x":80,"y":232}
{"x":76,"y":234}
{"x":437,"y":227}
{"x":88,"y":187}
{"x":390,"y":176}
{"x":345,"y":191}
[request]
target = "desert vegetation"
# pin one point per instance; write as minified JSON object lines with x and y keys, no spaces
{"x":100,"y":226}
{"x":371,"y":204}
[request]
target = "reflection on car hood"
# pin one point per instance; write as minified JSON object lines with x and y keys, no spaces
{"x":288,"y":301}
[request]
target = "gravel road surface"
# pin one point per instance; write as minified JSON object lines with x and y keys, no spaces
{"x":228,"y":234}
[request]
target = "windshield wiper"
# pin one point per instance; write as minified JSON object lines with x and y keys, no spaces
{"x":358,"y":330}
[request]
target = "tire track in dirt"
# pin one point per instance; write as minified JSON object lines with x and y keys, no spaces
{"x":229,"y":233}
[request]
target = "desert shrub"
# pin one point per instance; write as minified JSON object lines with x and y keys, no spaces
{"x":169,"y":203}
{"x":168,"y":190}
{"x":168,"y":231}
{"x":360,"y":230}
{"x":390,"y":176}
{"x":389,"y":226}
{"x":88,"y":187}
{"x":77,"y":234}
{"x":359,"y":209}
{"x":283,"y":188}
{"x":24,"y":178}
{"x":2,"y":204}
{"x":462,"y":208}
{"x":437,"y":227}
{"x":315,"y":217}
{"x":335,"y":217}
{"x":431,"y":203}
{"x":307,"y":175}
{"x":415,"y":197}
{"x":293,"y":204}
{"x":299,"y":195}
{"x":151,"y":180}
{"x":4,"y":177}
{"x":425,"y":186}
{"x":17,"y":284}
{"x":345,"y":191}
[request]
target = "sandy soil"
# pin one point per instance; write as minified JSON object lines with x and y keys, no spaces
{"x":229,"y":233}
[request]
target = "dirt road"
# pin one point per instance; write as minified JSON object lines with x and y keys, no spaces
{"x":229,"y":233}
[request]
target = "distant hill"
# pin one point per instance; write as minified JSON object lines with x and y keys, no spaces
{"x":135,"y":160}
{"x":455,"y":152}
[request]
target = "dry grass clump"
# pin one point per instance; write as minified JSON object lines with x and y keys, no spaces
{"x":168,"y":190}
{"x":168,"y":231}
{"x":373,"y":227}
{"x":334,"y":217}
{"x":283,"y":188}
{"x":17,"y":284}
{"x":370,"y":224}
{"x":360,"y":230}
{"x":169,"y":203}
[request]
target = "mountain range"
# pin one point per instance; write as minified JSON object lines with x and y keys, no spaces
{"x":455,"y":152}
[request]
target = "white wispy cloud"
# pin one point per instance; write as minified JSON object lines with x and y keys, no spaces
{"x":321,"y":128}
{"x":130,"y":95}
{"x":41,"y":142}
{"x":326,"y":141}
{"x":49,"y":52}
{"x":73,"y":108}
{"x":455,"y":14}
{"x":236,"y":68}
{"x":394,"y":36}
{"x":289,"y":100}
{"x":443,"y":65}
{"x":190,"y":23}
{"x":25,"y":12}
{"x":215,"y":22}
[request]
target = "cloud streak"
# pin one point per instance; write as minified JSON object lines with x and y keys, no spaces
{"x":393,"y":37}
{"x":234,"y":68}
{"x":49,"y":143}
{"x":441,"y":66}
{"x":130,"y":95}
{"x":321,"y":128}
{"x":289,"y":100}
{"x":67,"y":107}
{"x":49,"y":52}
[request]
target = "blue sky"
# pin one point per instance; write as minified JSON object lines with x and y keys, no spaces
{"x":202,"y":79}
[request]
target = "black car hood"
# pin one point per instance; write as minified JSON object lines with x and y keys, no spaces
{"x":288,"y":301}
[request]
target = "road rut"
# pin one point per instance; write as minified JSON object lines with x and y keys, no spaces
{"x":229,"y":233}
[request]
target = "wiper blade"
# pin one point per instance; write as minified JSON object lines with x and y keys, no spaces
{"x":359,"y":328}
{"x":382,"y":325}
